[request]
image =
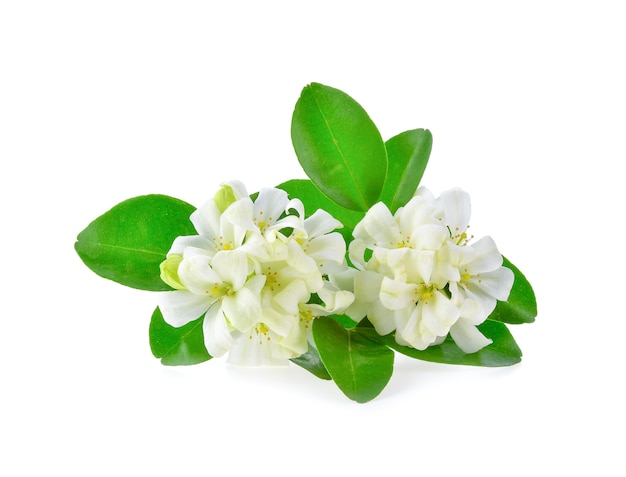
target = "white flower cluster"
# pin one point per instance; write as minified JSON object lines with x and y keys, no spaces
{"x":257,"y":272}
{"x":419,"y":276}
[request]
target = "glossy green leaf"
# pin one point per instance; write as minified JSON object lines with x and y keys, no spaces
{"x":177,"y":346}
{"x":521,"y":306}
{"x":360,"y":366}
{"x":502,"y":352}
{"x":312,"y":363}
{"x":407,"y":154}
{"x":313,"y":199}
{"x":127,"y":243}
{"x":339,"y":146}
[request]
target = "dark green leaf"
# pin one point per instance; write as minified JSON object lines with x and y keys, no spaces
{"x":502,"y":352}
{"x":128,"y":243}
{"x":311,"y":362}
{"x":521,"y":307}
{"x":361,"y":367}
{"x":313,"y":199}
{"x":177,"y":346}
{"x":339,"y":147}
{"x":407,"y":155}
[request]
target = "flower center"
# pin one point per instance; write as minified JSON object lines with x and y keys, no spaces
{"x":219,"y":291}
{"x":424,"y":293}
{"x":460,"y":238}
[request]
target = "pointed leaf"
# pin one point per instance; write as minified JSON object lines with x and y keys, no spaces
{"x":312,"y":363}
{"x":313,"y":199}
{"x":407,"y":155}
{"x":361,"y":367}
{"x":177,"y":346}
{"x":127,"y":243}
{"x":502,"y":352}
{"x":339,"y":146}
{"x":521,"y":306}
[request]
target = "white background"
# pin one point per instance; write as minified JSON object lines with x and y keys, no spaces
{"x":103,"y":101}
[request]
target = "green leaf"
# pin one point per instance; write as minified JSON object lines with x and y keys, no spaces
{"x":502,"y":352}
{"x":521,"y":306}
{"x":127,"y":243}
{"x":313,"y":199}
{"x":407,"y":154}
{"x":339,"y":146}
{"x":361,"y":367}
{"x":177,"y":346}
{"x":311,"y":362}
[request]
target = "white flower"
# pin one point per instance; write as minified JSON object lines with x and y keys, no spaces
{"x":251,"y":273}
{"x":422,"y":278}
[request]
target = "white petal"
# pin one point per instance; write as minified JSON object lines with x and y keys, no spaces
{"x":181,"y":306}
{"x":468,"y":337}
{"x":456,"y":207}
{"x":254,"y":350}
{"x":270,"y":205}
{"x":378,"y":227}
{"x":196,"y":274}
{"x":429,"y":237}
{"x":439,"y":314}
{"x":243,"y":309}
{"x":382,"y":318}
{"x":325,"y":248}
{"x":414,"y":214}
{"x":397,"y":295}
{"x":240,"y":214}
{"x":291,"y":295}
{"x":206,"y":219}
{"x":195,"y":241}
{"x":294,"y":344}
{"x":496,"y":284}
{"x":232,"y":267}
{"x":335,"y":300}
{"x":320,"y":223}
{"x":367,"y":286}
{"x":356,"y":252}
{"x":425,"y":193}
{"x":239,"y":189}
{"x":297,"y":205}
{"x":412,"y":331}
{"x":218,"y":336}
{"x":486,"y":258}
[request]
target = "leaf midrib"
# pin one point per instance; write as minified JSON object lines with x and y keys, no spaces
{"x":341,"y":154}
{"x":120,"y":247}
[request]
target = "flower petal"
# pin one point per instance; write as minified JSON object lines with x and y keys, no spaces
{"x":439,"y":314}
{"x":255,"y":350}
{"x":232,"y":267}
{"x":378,"y":227}
{"x":396,"y":295}
{"x":468,"y":337}
{"x":206,"y":219}
{"x":181,"y":306}
{"x":320,"y":223}
{"x":454,"y":207}
{"x":486,"y":256}
{"x":242,"y":309}
{"x":218,"y":336}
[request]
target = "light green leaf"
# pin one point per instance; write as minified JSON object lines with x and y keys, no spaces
{"x":521,"y":306}
{"x":128,"y":243}
{"x":339,"y":147}
{"x":313,"y":199}
{"x":177,"y":346}
{"x":502,"y":352}
{"x":360,"y":366}
{"x":312,"y":363}
{"x":407,"y":154}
